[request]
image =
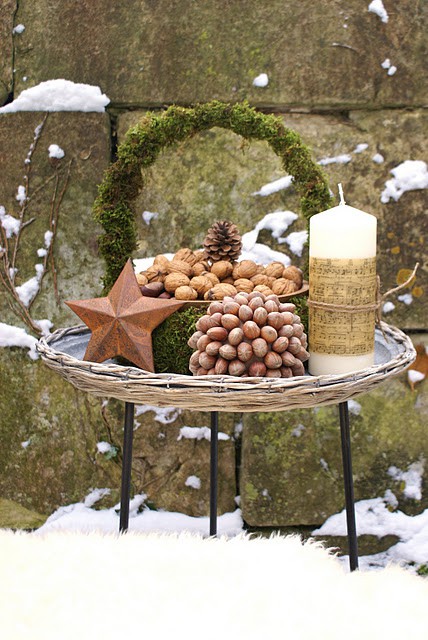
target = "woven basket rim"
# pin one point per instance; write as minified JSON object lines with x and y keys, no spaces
{"x":246,"y":394}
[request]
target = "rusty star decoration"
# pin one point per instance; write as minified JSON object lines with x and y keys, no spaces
{"x":122,"y":323}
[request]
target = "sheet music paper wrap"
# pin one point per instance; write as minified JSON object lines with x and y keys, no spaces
{"x":342,"y":271}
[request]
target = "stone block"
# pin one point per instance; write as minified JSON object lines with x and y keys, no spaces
{"x":15,"y":516}
{"x":7,"y":10}
{"x":316,"y":55}
{"x":66,"y":185}
{"x":291,"y":470}
{"x":214,"y":176}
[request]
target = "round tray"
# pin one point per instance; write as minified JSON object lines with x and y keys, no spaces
{"x":64,"y":349}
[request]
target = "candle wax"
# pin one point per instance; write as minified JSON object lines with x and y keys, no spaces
{"x":341,"y":233}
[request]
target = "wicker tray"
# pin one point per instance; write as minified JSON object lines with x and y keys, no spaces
{"x":62,"y":351}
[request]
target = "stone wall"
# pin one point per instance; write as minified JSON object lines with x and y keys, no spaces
{"x":326,"y":80}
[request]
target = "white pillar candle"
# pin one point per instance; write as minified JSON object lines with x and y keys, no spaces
{"x":342,"y":271}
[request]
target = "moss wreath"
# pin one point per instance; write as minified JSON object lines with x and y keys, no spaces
{"x":123,"y":180}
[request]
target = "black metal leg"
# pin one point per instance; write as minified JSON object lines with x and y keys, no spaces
{"x":349,"y":485}
{"x":126,"y":466}
{"x":213,"y":473}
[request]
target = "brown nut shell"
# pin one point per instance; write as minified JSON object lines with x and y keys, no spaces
{"x":217,"y":333}
{"x":269,"y":333}
{"x":243,"y":284}
{"x":222,"y":269}
{"x":221,"y":366}
{"x":174,"y":280}
{"x":244,"y":351}
{"x":179,"y":266}
{"x":275,"y":320}
{"x":251,"y":329}
{"x":213,"y":347}
{"x":206,"y":360}
{"x":257,"y":369}
{"x":245,"y":313}
{"x":295,"y":274}
{"x":194,"y":339}
{"x":272,"y":360}
{"x":244,"y":269}
{"x":236,"y":336}
{"x":152,"y":289}
{"x":280,"y":345}
{"x":236,"y":368}
{"x":274,"y":269}
{"x":260,"y":347}
{"x":260,"y":316}
{"x":185,"y":293}
{"x":228,"y":351}
{"x":202,"y":342}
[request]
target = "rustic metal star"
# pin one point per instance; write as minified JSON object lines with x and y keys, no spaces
{"x":122,"y":323}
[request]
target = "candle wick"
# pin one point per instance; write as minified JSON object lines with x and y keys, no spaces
{"x":342,"y":199}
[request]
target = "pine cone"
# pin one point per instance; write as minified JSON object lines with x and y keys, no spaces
{"x":223,"y":242}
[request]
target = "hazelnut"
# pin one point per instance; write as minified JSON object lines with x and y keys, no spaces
{"x":286,"y":372}
{"x":221,"y":366}
{"x":287,"y":306}
{"x":260,"y":316}
{"x":280,"y":345}
{"x":227,"y":351}
{"x":251,"y":329}
{"x":294,"y":346}
{"x":245,"y":313}
{"x":231,"y":307}
{"x":215,"y":307}
{"x":275,"y":320}
{"x":257,"y":369}
{"x":236,"y":336}
{"x":202,"y":342}
{"x":260,"y":347}
{"x":203,"y":323}
{"x":194,"y":339}
{"x":269,"y":333}
{"x":236,"y":367}
{"x":286,"y":331}
{"x":217,"y":333}
{"x":288,"y":360}
{"x":229,"y":321}
{"x":212,"y":348}
{"x":244,"y":351}
{"x":271,"y":305}
{"x":206,"y":360}
{"x":298,"y":369}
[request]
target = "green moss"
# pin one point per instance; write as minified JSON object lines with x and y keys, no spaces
{"x":170,"y":348}
{"x":143,"y":143}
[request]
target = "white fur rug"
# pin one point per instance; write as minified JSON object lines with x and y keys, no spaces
{"x":96,"y":586}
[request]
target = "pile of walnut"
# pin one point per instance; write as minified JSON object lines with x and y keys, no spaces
{"x":190,"y":276}
{"x":249,"y":335}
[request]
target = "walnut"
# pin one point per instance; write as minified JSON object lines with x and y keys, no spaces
{"x":174,"y":280}
{"x":283,"y":287}
{"x":274,"y":269}
{"x":243,"y":284}
{"x":244,"y":269}
{"x":185,"y":293}
{"x":295,"y":274}
{"x":180,"y":266}
{"x":186,"y":255}
{"x":219,"y":291}
{"x":222,"y":269}
{"x":201,"y":284}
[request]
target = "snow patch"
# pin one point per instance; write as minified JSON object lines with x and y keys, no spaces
{"x":20,"y":28}
{"x":376,"y":6}
{"x":103,"y":447}
{"x":165,"y":415}
{"x":193,"y":481}
{"x":410,"y":175}
{"x":354,"y":407}
{"x":11,"y":336}
{"x":407,"y":298}
{"x":412,"y":479}
{"x":276,"y":222}
{"x":388,"y":307}
{"x":297,"y":431}
{"x":199,"y":433}
{"x":148,"y":216}
{"x":10,"y":224}
{"x":21,"y":195}
{"x":59,"y":95}
{"x":29,"y":289}
{"x":296,"y":241}
{"x":262,"y":80}
{"x":55,"y":151}
{"x":378,"y":158}
{"x":343,"y":158}
{"x":415,"y":376}
{"x":360,"y":147}
{"x":272,"y":187}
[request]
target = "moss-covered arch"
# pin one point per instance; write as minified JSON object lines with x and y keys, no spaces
{"x":123,"y":180}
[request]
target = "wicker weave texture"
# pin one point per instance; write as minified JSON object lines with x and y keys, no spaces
{"x":221,"y":393}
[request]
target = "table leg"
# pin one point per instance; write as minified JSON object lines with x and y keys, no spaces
{"x":349,"y":485}
{"x":128,"y":434}
{"x":213,"y":473}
